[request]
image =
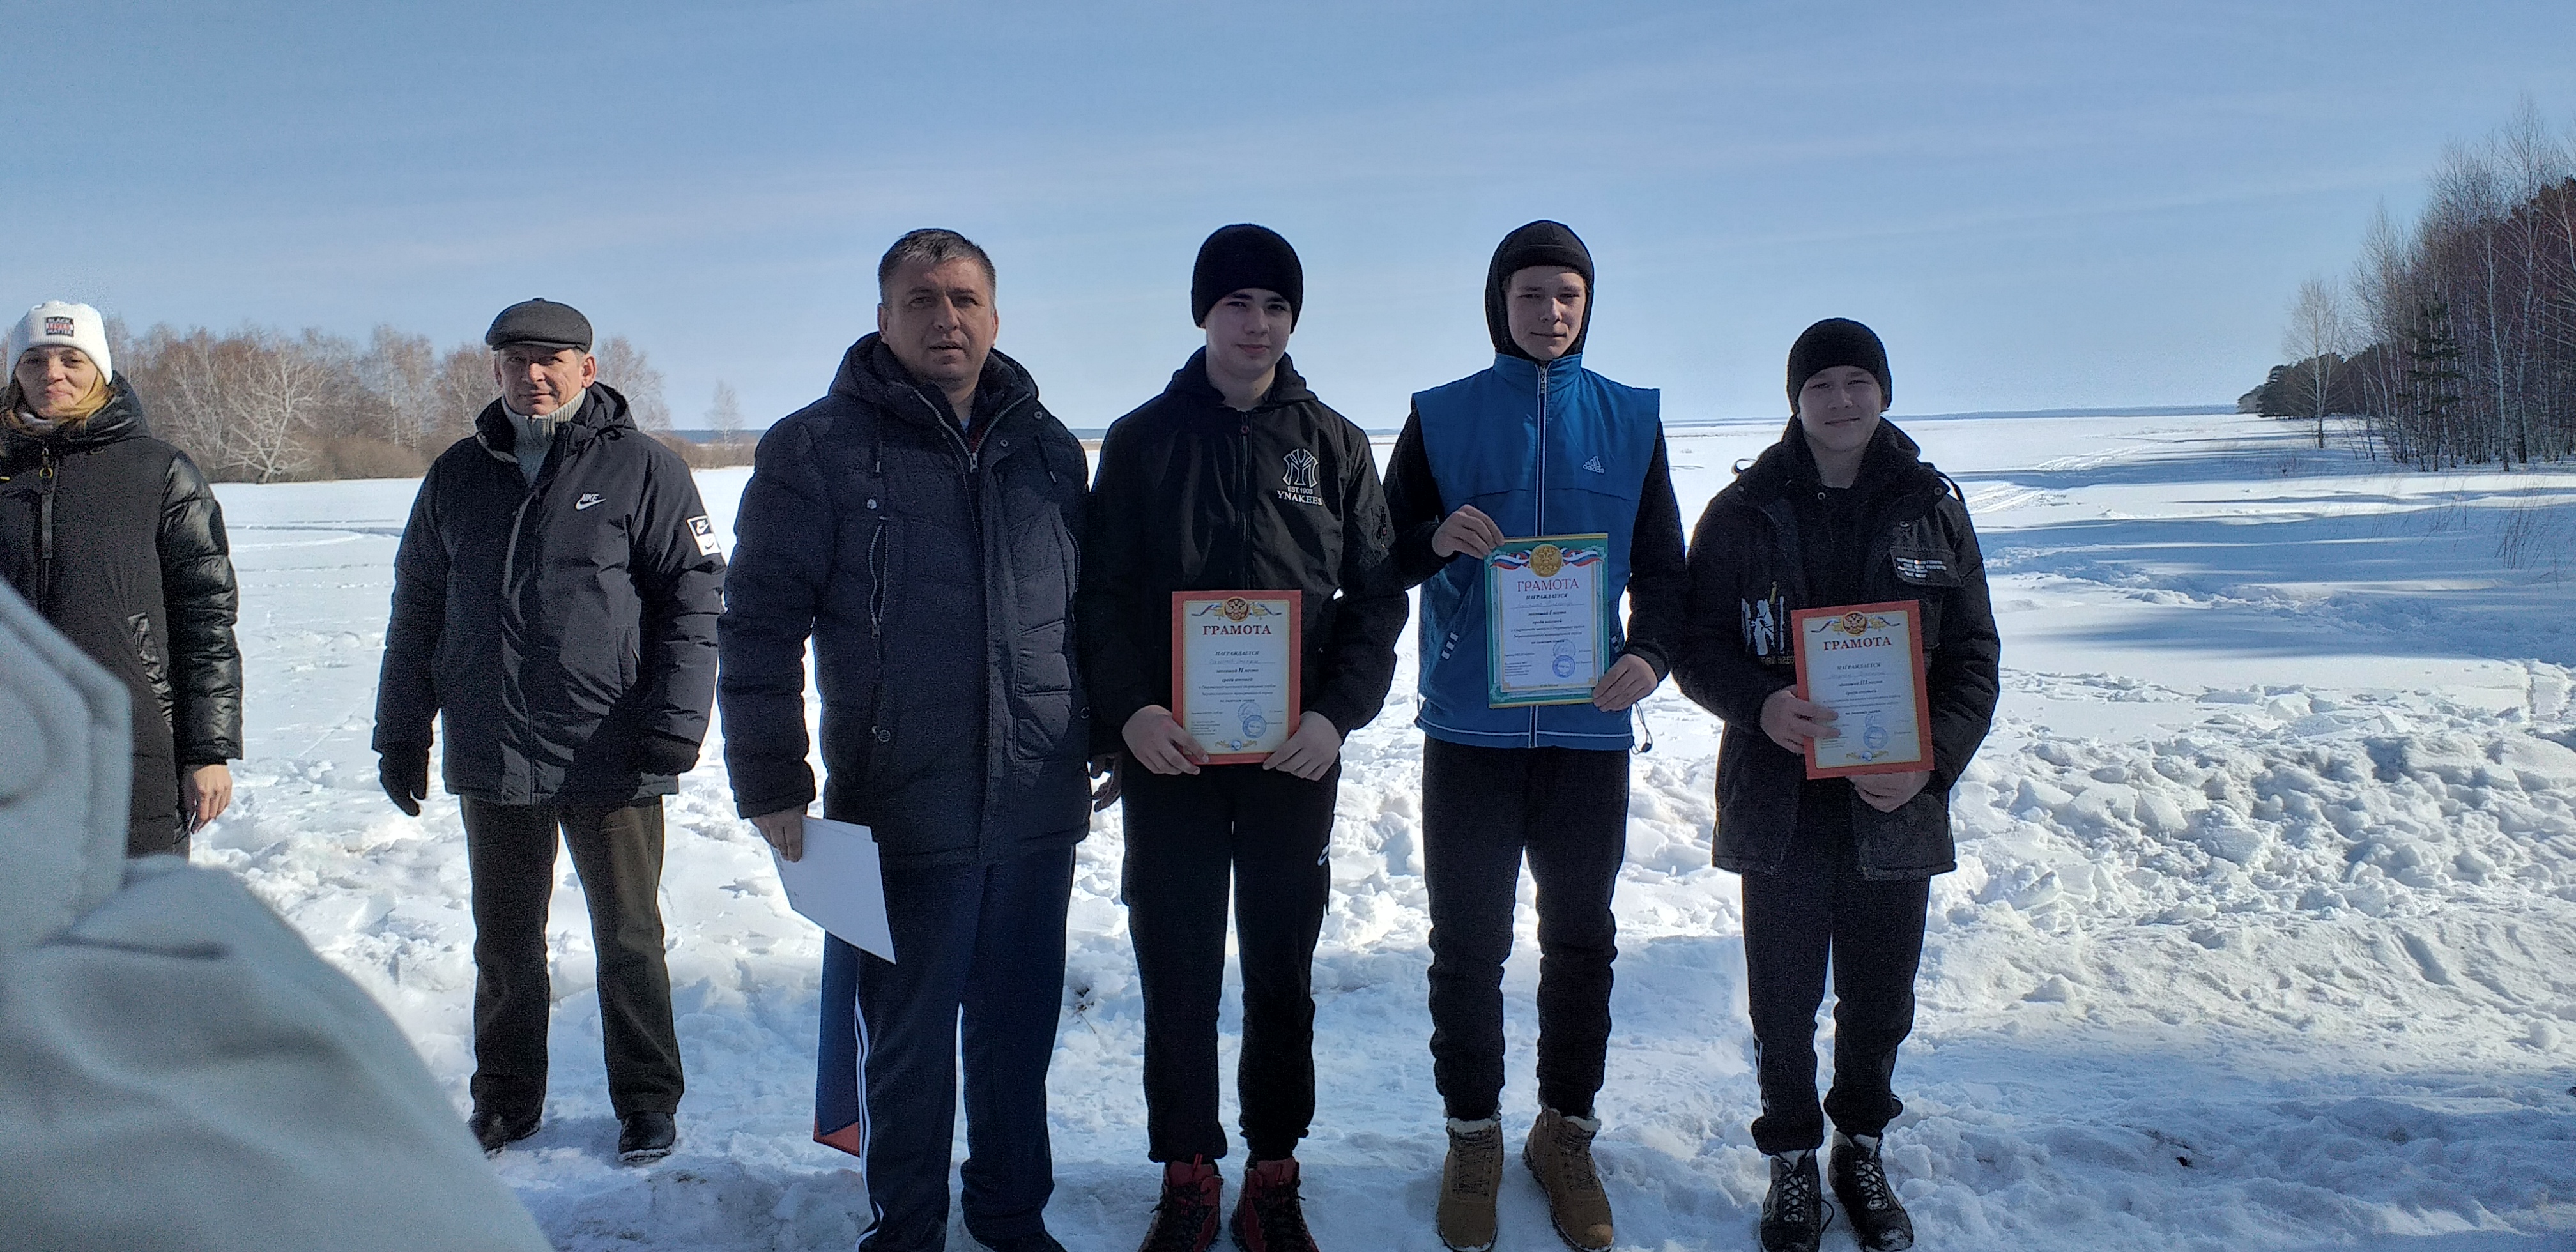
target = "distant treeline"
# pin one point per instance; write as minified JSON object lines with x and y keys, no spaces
{"x":2454,"y":341}
{"x":258,"y":405}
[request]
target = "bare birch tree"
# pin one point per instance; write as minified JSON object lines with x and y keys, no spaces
{"x":724,"y":416}
{"x":624,"y":366}
{"x":2318,"y":336}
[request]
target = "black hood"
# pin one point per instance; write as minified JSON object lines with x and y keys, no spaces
{"x":871,"y":373}
{"x":121,"y":419}
{"x":1287,"y":386}
{"x":1540,"y":243}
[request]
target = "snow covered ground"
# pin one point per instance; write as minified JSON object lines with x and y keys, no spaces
{"x":2264,"y":934}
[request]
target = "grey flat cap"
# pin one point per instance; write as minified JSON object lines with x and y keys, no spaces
{"x":541,"y":322}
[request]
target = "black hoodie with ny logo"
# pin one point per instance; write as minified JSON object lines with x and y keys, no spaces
{"x":1193,"y":495}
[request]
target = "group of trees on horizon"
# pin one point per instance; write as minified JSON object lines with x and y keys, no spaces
{"x":259,"y":405}
{"x":2453,"y":342}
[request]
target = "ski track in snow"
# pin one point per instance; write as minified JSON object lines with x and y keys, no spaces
{"x":2263,"y":935}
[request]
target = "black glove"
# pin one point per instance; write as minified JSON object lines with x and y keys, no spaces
{"x":405,"y":774}
{"x":657,"y":753}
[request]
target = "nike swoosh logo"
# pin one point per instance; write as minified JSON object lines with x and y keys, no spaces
{"x":587,"y":501}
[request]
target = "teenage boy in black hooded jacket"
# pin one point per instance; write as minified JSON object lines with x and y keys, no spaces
{"x":1236,"y":477}
{"x":1836,"y":871}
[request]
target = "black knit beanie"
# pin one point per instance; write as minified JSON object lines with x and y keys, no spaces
{"x":1540,"y":243}
{"x":1244,"y":255}
{"x":1837,"y":341}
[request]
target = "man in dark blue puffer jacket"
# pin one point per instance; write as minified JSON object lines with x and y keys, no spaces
{"x":918,"y":524}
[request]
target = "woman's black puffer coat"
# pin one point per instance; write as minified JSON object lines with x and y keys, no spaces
{"x":117,"y":540}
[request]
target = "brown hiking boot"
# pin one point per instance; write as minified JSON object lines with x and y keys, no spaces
{"x":1468,"y":1181}
{"x":1559,"y":1155}
{"x":1185,"y":1221}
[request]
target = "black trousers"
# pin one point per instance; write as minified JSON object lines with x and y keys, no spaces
{"x":618,"y":853}
{"x":1190,"y":837}
{"x":1819,"y":912}
{"x":1483,"y":810}
{"x":979,"y":971}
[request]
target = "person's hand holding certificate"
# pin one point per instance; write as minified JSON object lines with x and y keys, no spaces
{"x":1865,"y":663}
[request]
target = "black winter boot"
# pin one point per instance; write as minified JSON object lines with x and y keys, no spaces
{"x":646,"y":1137}
{"x":496,"y":1130}
{"x":1793,"y":1215}
{"x":1860,"y":1182}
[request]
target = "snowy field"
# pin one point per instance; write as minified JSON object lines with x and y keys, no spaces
{"x":2263,"y":936}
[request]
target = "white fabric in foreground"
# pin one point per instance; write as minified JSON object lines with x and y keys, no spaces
{"x":177,"y":1069}
{"x":180,"y":1071}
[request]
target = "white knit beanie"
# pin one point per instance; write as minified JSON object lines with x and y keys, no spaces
{"x":71,"y":325}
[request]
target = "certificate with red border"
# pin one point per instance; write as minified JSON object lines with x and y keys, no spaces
{"x":1865,"y":662}
{"x":1236,"y":667}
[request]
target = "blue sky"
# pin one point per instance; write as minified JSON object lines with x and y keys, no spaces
{"x":2038,"y":205}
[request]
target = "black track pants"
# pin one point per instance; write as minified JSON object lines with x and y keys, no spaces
{"x":510,"y":849}
{"x":1483,"y":810}
{"x":1193,"y":840}
{"x":1819,"y":911}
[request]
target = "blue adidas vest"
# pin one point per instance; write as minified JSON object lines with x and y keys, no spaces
{"x":1543,"y":450}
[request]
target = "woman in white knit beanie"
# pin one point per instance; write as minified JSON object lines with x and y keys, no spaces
{"x":116,"y":538}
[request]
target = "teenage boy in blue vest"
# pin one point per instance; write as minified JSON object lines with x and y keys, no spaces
{"x":1236,"y":477}
{"x":1533,"y":445}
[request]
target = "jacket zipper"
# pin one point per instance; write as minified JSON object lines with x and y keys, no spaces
{"x":1538,"y":499}
{"x":1243,"y":492}
{"x":975,"y":510}
{"x":45,"y":481}
{"x":509,"y":564}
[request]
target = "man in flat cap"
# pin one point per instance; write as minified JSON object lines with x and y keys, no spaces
{"x":555,"y":604}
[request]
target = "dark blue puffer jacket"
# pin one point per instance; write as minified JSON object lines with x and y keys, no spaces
{"x":936,"y":581}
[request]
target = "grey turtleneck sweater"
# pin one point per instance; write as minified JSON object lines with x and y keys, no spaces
{"x":537,"y":434}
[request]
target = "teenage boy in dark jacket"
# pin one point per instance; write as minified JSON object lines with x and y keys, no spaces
{"x":1236,"y":477}
{"x":116,"y":539}
{"x":918,"y":525}
{"x":554,"y":610}
{"x":1533,"y":445}
{"x":1836,"y":871}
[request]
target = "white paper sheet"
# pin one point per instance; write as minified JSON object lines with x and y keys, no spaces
{"x":838,"y":884}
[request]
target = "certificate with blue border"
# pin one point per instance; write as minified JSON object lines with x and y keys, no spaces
{"x":1547,"y":613}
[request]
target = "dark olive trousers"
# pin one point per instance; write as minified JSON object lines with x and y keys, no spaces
{"x":1483,"y":811}
{"x":618,"y":853}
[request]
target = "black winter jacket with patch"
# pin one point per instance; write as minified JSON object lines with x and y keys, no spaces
{"x":936,"y":580}
{"x":116,"y":539}
{"x":1195,"y":496}
{"x":551,"y":626}
{"x":1749,"y":568}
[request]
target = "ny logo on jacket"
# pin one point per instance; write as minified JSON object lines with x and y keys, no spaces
{"x":1297,"y":478}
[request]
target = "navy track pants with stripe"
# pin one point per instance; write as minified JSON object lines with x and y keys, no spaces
{"x":979,"y":974}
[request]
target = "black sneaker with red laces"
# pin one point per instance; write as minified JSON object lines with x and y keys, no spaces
{"x":1185,"y":1220}
{"x":1269,"y":1218}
